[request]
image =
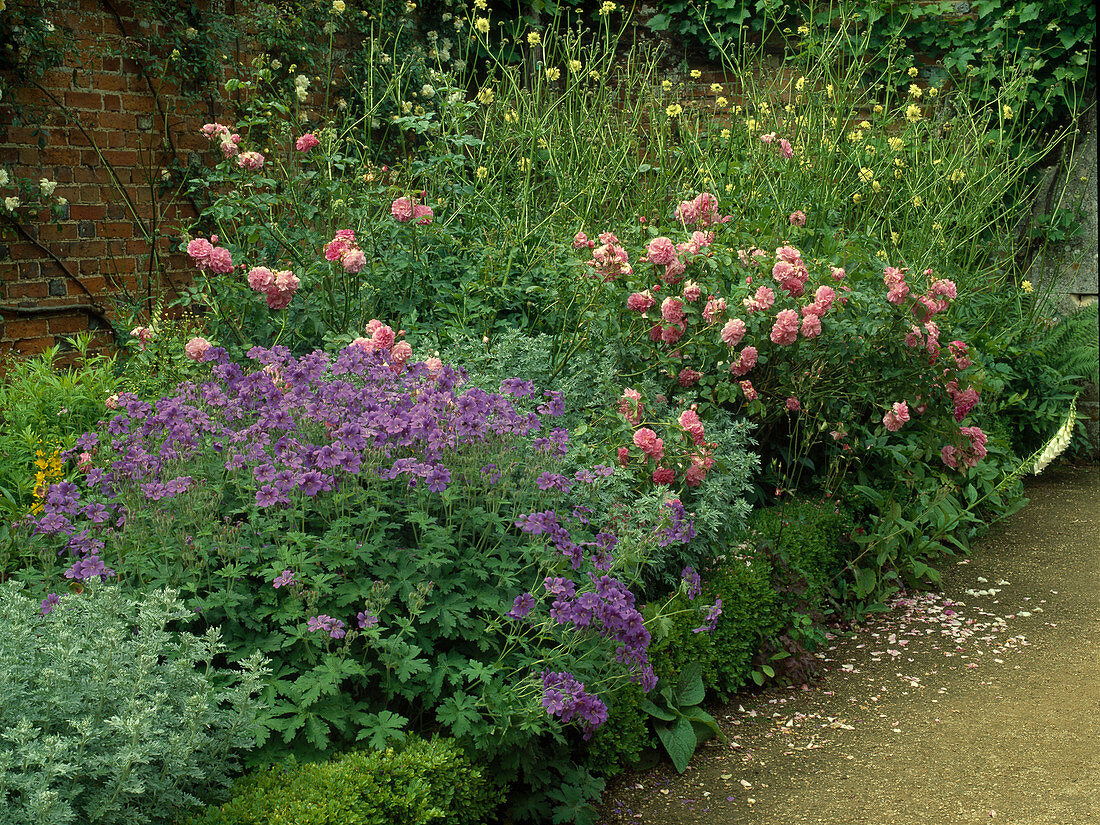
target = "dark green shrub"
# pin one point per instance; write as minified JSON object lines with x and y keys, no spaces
{"x":622,"y":739}
{"x":427,"y":782}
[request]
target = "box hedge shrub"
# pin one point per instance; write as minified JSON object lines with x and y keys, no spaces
{"x":426,"y":782}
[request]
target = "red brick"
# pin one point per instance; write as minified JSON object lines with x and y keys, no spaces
{"x":68,"y":324}
{"x":86,"y":211}
{"x":83,"y":100}
{"x":33,"y":346}
{"x":25,"y":328}
{"x":28,"y":289}
{"x":139,"y":103}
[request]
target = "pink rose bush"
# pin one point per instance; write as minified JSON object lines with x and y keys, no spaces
{"x":405,"y":210}
{"x":207,"y":255}
{"x":307,"y":142}
{"x":196,"y":348}
{"x":344,"y":250}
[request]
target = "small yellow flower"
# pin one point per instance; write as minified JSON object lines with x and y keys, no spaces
{"x":175,"y":55}
{"x":666,"y":85}
{"x":553,"y":74}
{"x":511,"y":116}
{"x":917,"y":201}
{"x":856,"y":136}
{"x":913,"y":71}
{"x":856,"y":198}
{"x":481,"y":4}
{"x":912,"y":113}
{"x":800,"y":84}
{"x":486,"y":96}
{"x":575,"y":66}
{"x":696,"y":74}
{"x":829,"y":91}
{"x":533,"y":38}
{"x":894,"y":238}
{"x":937,"y":226}
{"x":863,"y":124}
{"x":1006,"y":110}
{"x":876,"y":186}
{"x":674,"y":110}
{"x":896,"y":144}
{"x":594,"y":74}
{"x":1026,"y":286}
{"x":866,"y":175}
{"x":606,"y":8}
{"x":482,"y":173}
{"x":878,"y":110}
{"x":750,"y":124}
{"x":804,"y":30}
{"x":716,"y":88}
{"x":721,"y":103}
{"x":338,"y":6}
{"x":410,"y":6}
{"x":958,"y":176}
{"x":725,"y":134}
{"x":933,"y":91}
{"x":915,"y":90}
{"x":525,"y":164}
{"x":482,"y":25}
{"x":764,"y":107}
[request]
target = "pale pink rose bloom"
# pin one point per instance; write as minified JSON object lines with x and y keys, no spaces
{"x":306,"y":142}
{"x":434,"y":366}
{"x":230,"y":145}
{"x":212,"y":130}
{"x":580,"y":241}
{"x":745,"y":361}
{"x":200,"y":250}
{"x":221,"y":261}
{"x":363,"y":344}
{"x":402,"y":210}
{"x":672,"y":311}
{"x":687,"y":377}
{"x":423,"y":214}
{"x":695,"y":474}
{"x":630,"y":406}
{"x":196,"y":348}
{"x":661,"y":251}
{"x":84,"y":460}
{"x":837,"y":273}
{"x":143,"y":334}
{"x":692,"y":291}
{"x":714,"y":309}
{"x":789,"y":254}
{"x":914,"y":338}
{"x":784,"y":271}
{"x":252,"y":161}
{"x":286,"y":281}
{"x":400,"y":353}
{"x":354,"y":260}
{"x":798,"y":218}
{"x":647,"y":441}
{"x":111,"y":401}
{"x":261,"y":278}
{"x":945,"y":288}
{"x":640,"y":301}
{"x":762,"y":300}
{"x":672,"y":333}
{"x":344,"y":240}
{"x":689,"y":420}
{"x":611,"y":262}
{"x":278,"y":300}
{"x":701,"y":240}
{"x":688,"y":213}
{"x":785,"y":149}
{"x":932,"y":343}
{"x":793,"y":404}
{"x":769,"y":138}
{"x":896,"y":416}
{"x":383,"y":337}
{"x":749,"y":391}
{"x":897,"y":293}
{"x":892,"y":275}
{"x":811,"y":326}
{"x":823,"y":298}
{"x":785,"y":330}
{"x":609,"y":239}
{"x":674,"y":271}
{"x":958,"y":351}
{"x":733,"y":332}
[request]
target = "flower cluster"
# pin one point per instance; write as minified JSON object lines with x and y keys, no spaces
{"x":609,"y":259}
{"x":344,"y":250}
{"x":278,"y":288}
{"x":196,"y":348}
{"x":406,"y":209}
{"x":702,"y":210}
{"x":251,"y":161}
{"x":964,"y":457}
{"x":307,"y":142}
{"x":207,"y":255}
{"x":228,"y":140}
{"x":564,"y":697}
{"x":335,"y":628}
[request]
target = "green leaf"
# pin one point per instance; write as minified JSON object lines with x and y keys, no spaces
{"x":659,"y":22}
{"x":657,"y":710}
{"x":689,"y":687}
{"x":679,"y":740}
{"x":459,"y":712}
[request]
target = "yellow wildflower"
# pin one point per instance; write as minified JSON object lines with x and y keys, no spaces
{"x":725,"y":134}
{"x":856,"y":198}
{"x":525,"y":164}
{"x":866,"y":175}
{"x":482,"y":25}
{"x":481,"y":4}
{"x":804,"y":30}
{"x":878,"y":110}
{"x":674,"y":110}
{"x":933,"y":91}
{"x":876,"y":186}
{"x":917,"y":201}
{"x":894,"y":238}
{"x":511,"y":116}
{"x":666,"y":85}
{"x":721,"y":103}
{"x":533,"y":38}
{"x":1026,"y":286}
{"x":800,"y":84}
{"x":750,"y":124}
{"x":913,"y":71}
{"x":553,"y":74}
{"x":1006,"y":110}
{"x":338,"y":6}
{"x":606,"y":8}
{"x":913,"y":113}
{"x":696,"y":74}
{"x":895,"y":143}
{"x":486,"y":96}
{"x":829,"y":91}
{"x":575,"y":66}
{"x":482,"y":173}
{"x":716,"y":88}
{"x":915,"y":90}
{"x":957,"y":176}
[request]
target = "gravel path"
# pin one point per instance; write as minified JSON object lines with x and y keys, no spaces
{"x":977,"y":704}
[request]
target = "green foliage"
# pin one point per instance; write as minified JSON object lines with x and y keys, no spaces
{"x":424,"y":782}
{"x":681,"y":724}
{"x":44,"y":406}
{"x":108,"y":715}
{"x":620,"y":742}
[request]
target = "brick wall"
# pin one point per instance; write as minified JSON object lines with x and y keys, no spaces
{"x":96,"y":127}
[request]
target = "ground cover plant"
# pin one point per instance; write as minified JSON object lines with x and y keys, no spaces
{"x":521,"y":401}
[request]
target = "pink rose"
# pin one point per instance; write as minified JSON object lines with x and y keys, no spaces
{"x":402,"y":210}
{"x":640,"y":301}
{"x":798,"y":218}
{"x":422,"y":214}
{"x":733,"y":332}
{"x":896,"y":416}
{"x":624,"y":456}
{"x":664,"y":475}
{"x":785,"y":149}
{"x":196,"y":348}
{"x":434,"y":366}
{"x":252,"y":161}
{"x":647,"y":441}
{"x":745,"y":361}
{"x":672,"y":333}
{"x":580,"y":241}
{"x":672,"y":311}
{"x":837,"y":273}
{"x":714,"y":309}
{"x":811,"y":326}
{"x":793,"y":404}
{"x":630,"y":406}
{"x":143,"y":334}
{"x":400,"y":354}
{"x":111,"y":401}
{"x":692,"y":291}
{"x":785,"y":330}
{"x":354,"y":260}
{"x":221,"y":261}
{"x":200,"y":250}
{"x":306,"y":142}
{"x":344,"y":240}
{"x":661,"y":251}
{"x":261,"y":278}
{"x":688,"y":377}
{"x":762,"y":300}
{"x":897,"y":293}
{"x":749,"y":391}
{"x":689,"y":420}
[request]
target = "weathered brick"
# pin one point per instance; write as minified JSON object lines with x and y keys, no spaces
{"x":25,"y":328}
{"x":67,"y":324}
{"x":84,"y":100}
